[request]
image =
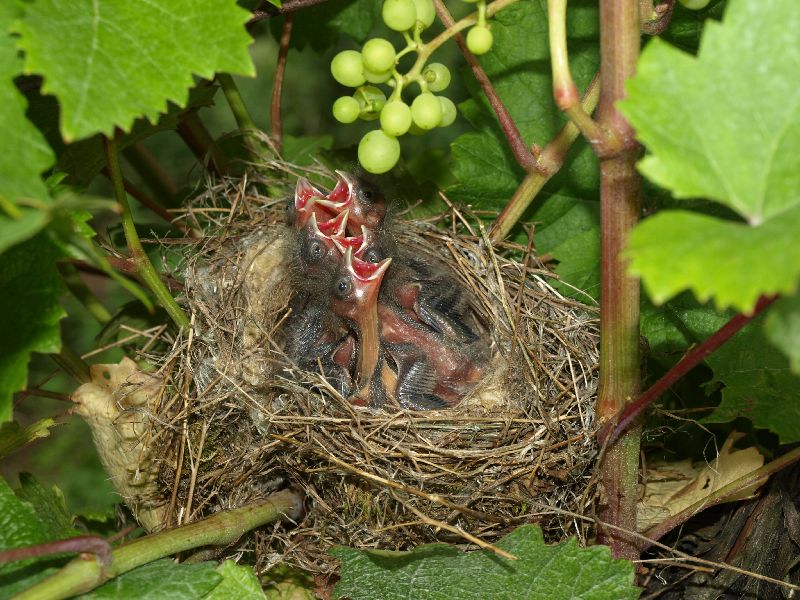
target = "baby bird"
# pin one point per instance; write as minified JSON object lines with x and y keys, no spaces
{"x":365,"y":201}
{"x":354,"y":294}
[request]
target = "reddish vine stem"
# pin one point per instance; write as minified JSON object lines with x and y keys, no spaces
{"x":277,"y":86}
{"x":83,"y":544}
{"x":616,"y":427}
{"x":521,"y":150}
{"x":150,"y":170}
{"x":146,"y":201}
{"x":267,"y":10}
{"x":197,"y":138}
{"x":656,"y":19}
{"x":620,"y":189}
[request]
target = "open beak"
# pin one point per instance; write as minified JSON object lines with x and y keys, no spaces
{"x":307,"y":202}
{"x":335,"y":227}
{"x":342,"y":194}
{"x":358,"y":243}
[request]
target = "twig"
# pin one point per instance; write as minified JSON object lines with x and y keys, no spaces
{"x":550,"y":161}
{"x":656,"y":19}
{"x":686,"y":364}
{"x":71,"y":362}
{"x":81,"y":575}
{"x":521,"y":150}
{"x":267,"y":10}
{"x":73,"y":281}
{"x":84,"y":543}
{"x":151,"y":172}
{"x":195,"y":135}
{"x":146,"y":201}
{"x":144,"y":267}
{"x":277,"y":86}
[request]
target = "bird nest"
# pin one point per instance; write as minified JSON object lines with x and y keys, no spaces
{"x":236,"y":420}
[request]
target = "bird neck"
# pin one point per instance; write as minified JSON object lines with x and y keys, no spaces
{"x":369,"y":341}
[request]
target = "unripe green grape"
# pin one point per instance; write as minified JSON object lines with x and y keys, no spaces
{"x":371,"y":100}
{"x":425,"y":12}
{"x":378,"y":55}
{"x":400,"y":15}
{"x":695,"y":4}
{"x":479,"y":40}
{"x":426,"y":110}
{"x":378,"y":152}
{"x":347,"y":68}
{"x":395,"y":118}
{"x":437,"y":76}
{"x":448,"y":111}
{"x":346,"y":109}
{"x":377,"y":77}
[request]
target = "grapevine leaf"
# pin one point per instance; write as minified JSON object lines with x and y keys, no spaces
{"x":29,"y":312}
{"x":19,"y":526}
{"x":302,"y":150}
{"x":160,"y":579}
{"x":238,"y":581}
{"x":112,"y":61}
{"x":731,"y":262}
{"x":758,"y":384}
{"x":441,"y":571}
{"x":20,"y":170}
{"x":725,"y":125}
{"x":322,"y":25}
{"x":49,"y":506}
{"x":782,"y":327}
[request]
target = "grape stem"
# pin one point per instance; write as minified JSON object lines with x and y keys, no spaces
{"x":519,"y":148}
{"x":565,"y":91}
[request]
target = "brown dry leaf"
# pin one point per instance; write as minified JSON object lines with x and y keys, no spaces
{"x":671,"y":487}
{"x":117,"y":404}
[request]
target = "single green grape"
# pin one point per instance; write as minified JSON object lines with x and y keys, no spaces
{"x":377,"y":77}
{"x":695,"y":4}
{"x":378,"y":55}
{"x":437,"y":76}
{"x":395,"y":118}
{"x":400,"y":15}
{"x":370,"y":100}
{"x":479,"y":40}
{"x":346,"y":109}
{"x":378,"y":152}
{"x":425,"y":12}
{"x":448,"y":111}
{"x":347,"y":68}
{"x":426,"y":110}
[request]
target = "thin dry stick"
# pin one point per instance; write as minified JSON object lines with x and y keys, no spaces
{"x":277,"y":86}
{"x":521,"y":150}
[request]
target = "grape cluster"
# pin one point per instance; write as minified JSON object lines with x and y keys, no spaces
{"x":376,"y":64}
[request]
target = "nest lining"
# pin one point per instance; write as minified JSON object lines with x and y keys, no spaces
{"x":240,"y":421}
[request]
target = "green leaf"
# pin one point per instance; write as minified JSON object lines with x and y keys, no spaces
{"x":29,"y":312}
{"x":20,"y":169}
{"x":13,"y":437}
{"x":322,"y":25}
{"x":726,"y":124}
{"x":782,"y":326}
{"x":302,"y":150}
{"x":161,"y":579}
{"x":238,"y":581}
{"x":49,"y":505}
{"x":111,"y":61}
{"x":440,"y":571}
{"x":19,"y":526}
{"x":758,"y":384}
{"x":730,"y":262}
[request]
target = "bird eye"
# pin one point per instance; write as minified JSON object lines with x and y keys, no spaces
{"x":372,"y":256}
{"x":367,"y":195}
{"x":315,"y":250}
{"x":343,"y":287}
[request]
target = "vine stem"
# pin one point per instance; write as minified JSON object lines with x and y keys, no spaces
{"x":631,"y":412}
{"x":72,"y":279}
{"x":521,"y":150}
{"x":277,"y":86}
{"x":197,"y":138}
{"x":144,"y":267}
{"x":752,"y":480}
{"x":235,"y":102}
{"x":84,"y":574}
{"x":620,"y":189}
{"x":548,"y":164}
{"x":151,"y":171}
